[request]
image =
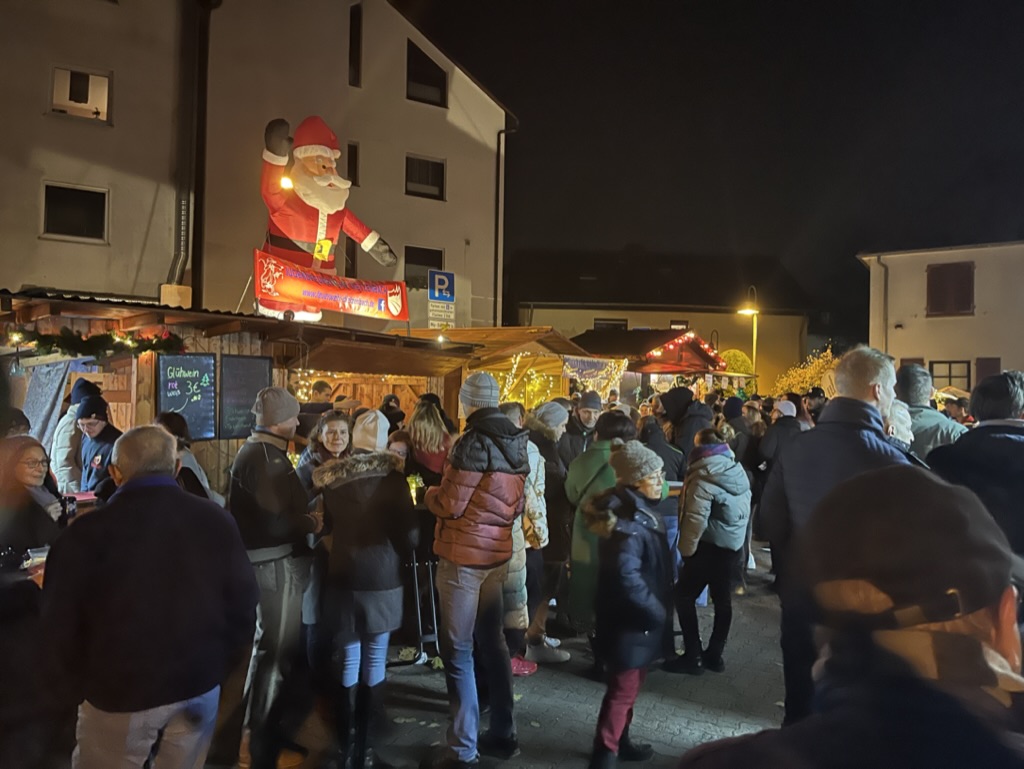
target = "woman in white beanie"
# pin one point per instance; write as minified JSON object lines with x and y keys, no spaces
{"x":370,"y":432}
{"x":633,"y":614}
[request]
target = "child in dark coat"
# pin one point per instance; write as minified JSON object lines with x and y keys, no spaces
{"x":633,"y":612}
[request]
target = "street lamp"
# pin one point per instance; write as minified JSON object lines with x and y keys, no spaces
{"x":750,"y":309}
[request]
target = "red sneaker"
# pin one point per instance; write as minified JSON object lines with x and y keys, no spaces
{"x":523,"y":667}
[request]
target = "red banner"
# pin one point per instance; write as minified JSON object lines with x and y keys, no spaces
{"x":280,"y":281}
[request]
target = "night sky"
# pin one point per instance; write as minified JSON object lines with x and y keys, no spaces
{"x":807,"y":131}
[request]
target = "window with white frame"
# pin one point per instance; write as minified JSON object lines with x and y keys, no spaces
{"x":78,"y":213}
{"x":424,"y":178}
{"x":81,"y":94}
{"x":951,"y":373}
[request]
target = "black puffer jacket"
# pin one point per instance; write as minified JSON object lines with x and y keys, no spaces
{"x":778,"y":436}
{"x":652,"y":435}
{"x":369,"y":511}
{"x":687,"y":416}
{"x":560,"y":511}
{"x":634,"y":611}
{"x":575,"y":441}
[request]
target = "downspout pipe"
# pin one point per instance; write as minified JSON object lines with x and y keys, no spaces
{"x":885,"y":303}
{"x":498,"y":165}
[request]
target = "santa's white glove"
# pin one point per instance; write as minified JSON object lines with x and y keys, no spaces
{"x":382,"y":252}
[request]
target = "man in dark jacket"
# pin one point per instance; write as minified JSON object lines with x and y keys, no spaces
{"x":97,"y":442}
{"x":481,"y":493}
{"x":921,"y":665}
{"x":815,"y":401}
{"x":270,"y":505}
{"x":989,"y":459}
{"x":652,"y":436}
{"x":148,"y":603}
{"x":687,"y":417}
{"x":849,"y":439}
{"x":579,"y":433}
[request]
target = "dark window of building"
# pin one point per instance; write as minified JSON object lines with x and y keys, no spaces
{"x":355,"y":45}
{"x":424,"y":178}
{"x":679,"y":325}
{"x":419,"y":262}
{"x":951,"y":373}
{"x":352,"y":168}
{"x":424,"y":80}
{"x":350,"y":257}
{"x":984,"y":367}
{"x":80,"y":94}
{"x":75,"y":212}
{"x":950,"y":289}
{"x":609,"y":324}
{"x":908,"y":361}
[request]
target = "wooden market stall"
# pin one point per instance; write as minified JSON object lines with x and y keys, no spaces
{"x":206,"y":365}
{"x":532,"y":364}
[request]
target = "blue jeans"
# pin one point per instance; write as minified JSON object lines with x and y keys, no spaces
{"x":471,"y":606}
{"x":363,"y":659}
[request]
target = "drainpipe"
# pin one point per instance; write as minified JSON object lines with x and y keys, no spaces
{"x":885,"y":303}
{"x":497,"y":215}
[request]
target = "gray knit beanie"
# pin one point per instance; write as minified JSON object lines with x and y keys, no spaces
{"x":632,"y":462}
{"x":479,"y":391}
{"x":273,"y":406}
{"x":551,"y":414}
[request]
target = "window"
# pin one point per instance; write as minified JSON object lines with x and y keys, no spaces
{"x":610,"y":324}
{"x":951,"y":373}
{"x":350,"y":257}
{"x":355,"y":45}
{"x":679,"y":325}
{"x":81,"y":94}
{"x":950,"y":289}
{"x":909,"y":361}
{"x":424,"y":80}
{"x":352,"y":169}
{"x":74,"y":212}
{"x":424,"y":178}
{"x":419,"y":262}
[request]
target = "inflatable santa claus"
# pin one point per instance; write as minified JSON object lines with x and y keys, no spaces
{"x":306,"y":207}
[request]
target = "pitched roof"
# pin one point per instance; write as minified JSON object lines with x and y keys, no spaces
{"x":638,"y":278}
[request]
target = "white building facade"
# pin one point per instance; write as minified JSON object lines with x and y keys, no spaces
{"x":958,"y":311}
{"x":97,"y":149}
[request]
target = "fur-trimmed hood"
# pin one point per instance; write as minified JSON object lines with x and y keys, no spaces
{"x":537,"y":426}
{"x":336,"y":472}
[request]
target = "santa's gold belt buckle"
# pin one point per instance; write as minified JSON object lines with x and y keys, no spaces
{"x":322,"y":252}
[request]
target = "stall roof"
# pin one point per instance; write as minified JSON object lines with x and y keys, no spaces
{"x":328,"y":347}
{"x":494,"y":345}
{"x":654,"y":351}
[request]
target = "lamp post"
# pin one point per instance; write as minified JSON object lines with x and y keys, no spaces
{"x":750,"y":309}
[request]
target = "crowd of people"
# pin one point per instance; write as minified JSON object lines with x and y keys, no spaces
{"x":172,"y":622}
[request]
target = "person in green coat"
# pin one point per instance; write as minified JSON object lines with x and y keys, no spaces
{"x":589,"y":475}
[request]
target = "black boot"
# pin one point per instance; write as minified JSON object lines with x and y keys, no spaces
{"x":634,"y":751}
{"x":341,"y":697}
{"x":602,"y":758}
{"x":368,"y":701}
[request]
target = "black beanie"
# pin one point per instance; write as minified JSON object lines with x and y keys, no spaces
{"x":92,"y":407}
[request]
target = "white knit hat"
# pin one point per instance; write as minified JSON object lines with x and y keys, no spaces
{"x":480,"y":390}
{"x":786,"y":408}
{"x":632,"y":462}
{"x":370,"y":432}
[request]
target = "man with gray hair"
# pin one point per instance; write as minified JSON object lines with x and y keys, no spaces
{"x":849,"y":439}
{"x":931,"y":429}
{"x":147,"y":604}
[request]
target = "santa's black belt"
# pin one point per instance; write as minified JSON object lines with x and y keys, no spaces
{"x":279,"y":241}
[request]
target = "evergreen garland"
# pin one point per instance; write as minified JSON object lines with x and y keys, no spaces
{"x":69,"y":342}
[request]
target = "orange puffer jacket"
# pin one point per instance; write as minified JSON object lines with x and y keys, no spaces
{"x":481,"y":491}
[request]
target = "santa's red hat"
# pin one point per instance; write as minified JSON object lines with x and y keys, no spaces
{"x":313,"y":137}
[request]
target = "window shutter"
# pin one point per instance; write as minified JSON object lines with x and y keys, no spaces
{"x":987,"y":367}
{"x":950,"y":289}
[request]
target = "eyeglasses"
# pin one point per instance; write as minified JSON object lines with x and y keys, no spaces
{"x":35,"y":464}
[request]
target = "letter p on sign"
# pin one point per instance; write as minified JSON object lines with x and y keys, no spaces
{"x":442,"y":286}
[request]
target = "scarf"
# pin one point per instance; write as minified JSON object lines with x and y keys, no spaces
{"x":710,"y":450}
{"x":42,"y":497}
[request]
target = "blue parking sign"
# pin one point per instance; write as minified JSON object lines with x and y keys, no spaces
{"x":441,"y":285}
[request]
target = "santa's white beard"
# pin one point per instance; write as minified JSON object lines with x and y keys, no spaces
{"x":322,"y":198}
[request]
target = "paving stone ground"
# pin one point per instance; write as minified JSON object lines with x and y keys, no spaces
{"x":556,"y":708}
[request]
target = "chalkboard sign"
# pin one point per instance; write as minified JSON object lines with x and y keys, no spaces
{"x":241,"y":378}
{"x":187,"y":386}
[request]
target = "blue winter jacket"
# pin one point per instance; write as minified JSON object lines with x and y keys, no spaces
{"x":848,"y":440}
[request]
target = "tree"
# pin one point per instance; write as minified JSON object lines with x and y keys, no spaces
{"x":810,"y":373}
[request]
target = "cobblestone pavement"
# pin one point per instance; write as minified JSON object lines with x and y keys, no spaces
{"x":556,"y":709}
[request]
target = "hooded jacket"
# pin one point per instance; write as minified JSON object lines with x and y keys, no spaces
{"x":674,"y":460}
{"x":95,"y":457}
{"x":576,"y":439}
{"x":369,"y":511}
{"x":633,"y":615}
{"x":716,"y":501}
{"x":481,"y":491}
{"x":989,"y":460}
{"x":848,"y":440}
{"x":65,"y":450}
{"x":931,"y":429}
{"x":687,"y":416}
